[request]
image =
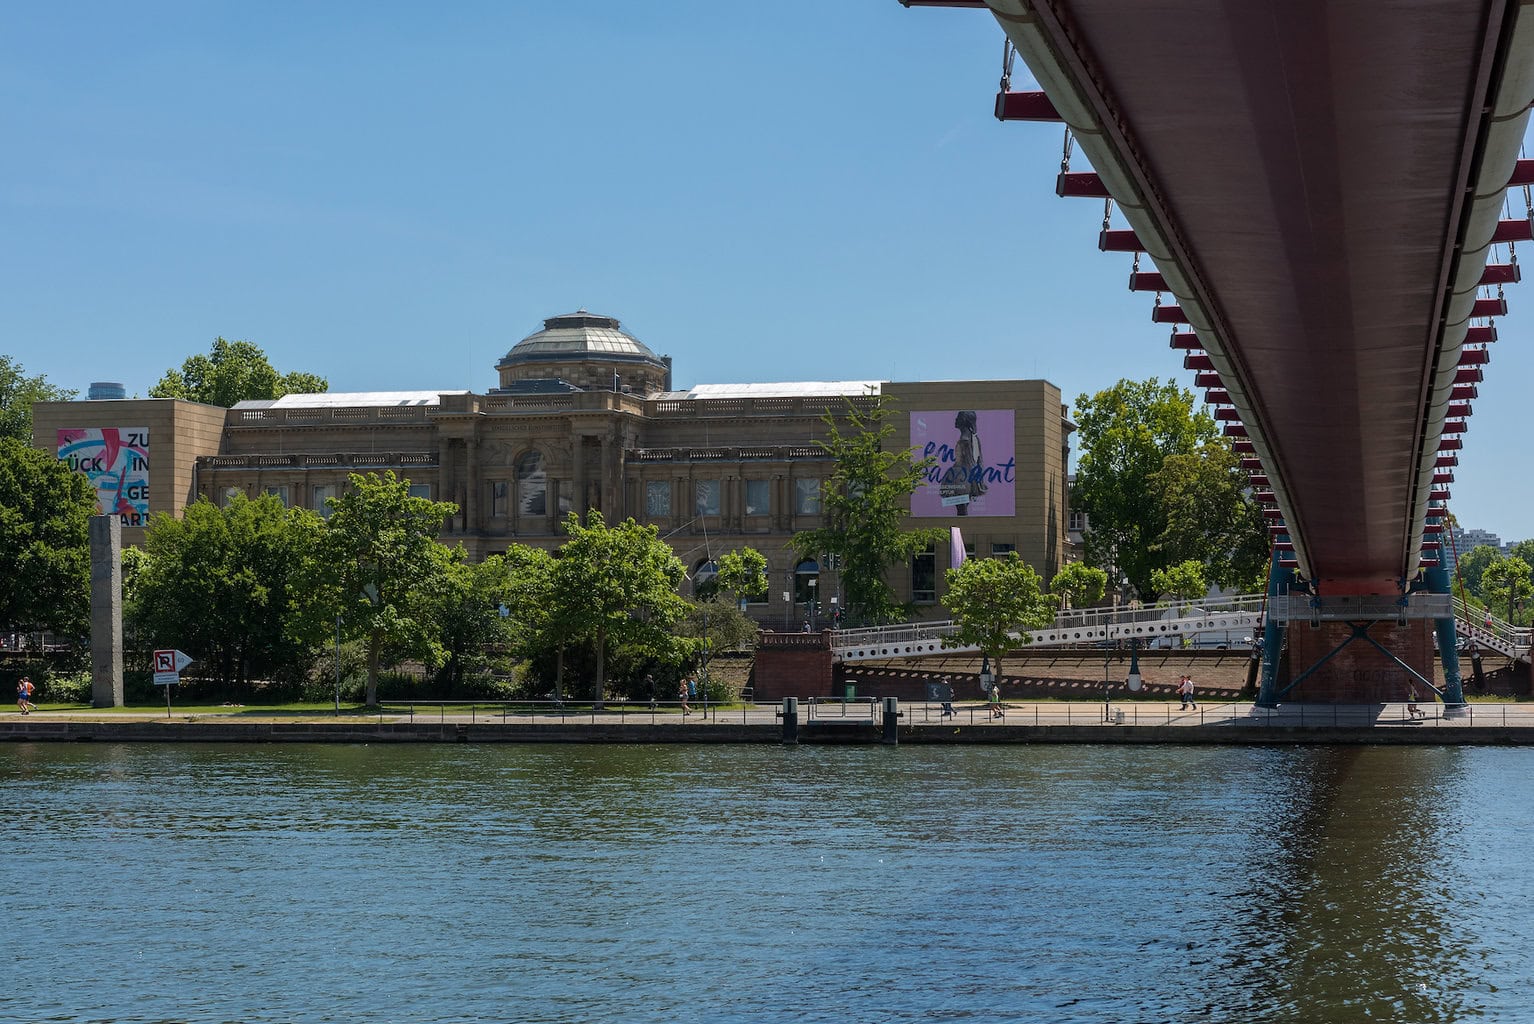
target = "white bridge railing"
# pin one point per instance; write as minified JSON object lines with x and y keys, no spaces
{"x":1174,"y":619}
{"x":1486,"y":630}
{"x":1078,"y":626}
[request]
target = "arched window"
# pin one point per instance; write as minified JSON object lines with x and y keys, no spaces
{"x":806,"y":580}
{"x":532,"y":484}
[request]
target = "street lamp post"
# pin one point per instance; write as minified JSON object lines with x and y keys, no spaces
{"x":338,"y":663}
{"x":812,"y":582}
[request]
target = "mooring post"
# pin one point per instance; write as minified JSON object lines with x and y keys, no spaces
{"x":891,"y":721}
{"x":790,"y":717}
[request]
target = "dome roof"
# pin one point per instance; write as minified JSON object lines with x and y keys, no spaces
{"x":581,"y":336}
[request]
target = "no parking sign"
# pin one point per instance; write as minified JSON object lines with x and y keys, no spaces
{"x":168,"y":666}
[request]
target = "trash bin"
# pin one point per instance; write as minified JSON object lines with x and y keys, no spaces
{"x":1118,"y":716}
{"x":852,"y":692}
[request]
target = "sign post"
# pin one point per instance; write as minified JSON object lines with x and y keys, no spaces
{"x":167,"y":671}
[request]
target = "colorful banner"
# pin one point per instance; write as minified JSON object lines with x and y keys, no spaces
{"x":116,"y":462}
{"x":974,"y":468}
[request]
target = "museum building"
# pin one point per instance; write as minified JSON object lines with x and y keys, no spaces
{"x":583,"y":416}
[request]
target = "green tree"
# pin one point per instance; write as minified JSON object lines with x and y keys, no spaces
{"x":217,"y":584}
{"x":45,"y":512}
{"x":616,"y":585}
{"x":381,"y":568}
{"x":1079,"y":584}
{"x":1210,"y":517}
{"x":864,"y":505}
{"x":1472,"y":564}
{"x":993,"y":600}
{"x":1160,"y":486}
{"x":17,"y":393}
{"x":742,"y":574}
{"x":1506,"y":583}
{"x":233,"y":371}
{"x":1183,"y":582}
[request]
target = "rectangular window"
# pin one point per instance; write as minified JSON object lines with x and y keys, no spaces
{"x":924,"y":576}
{"x":1077,"y":522}
{"x":420,"y":491}
{"x":1002,"y":550}
{"x":657,"y":498}
{"x":322,"y":492}
{"x":705,"y":497}
{"x":278,"y":491}
{"x":498,"y":498}
{"x":758,"y":497}
{"x":228,"y":494}
{"x":807,"y":497}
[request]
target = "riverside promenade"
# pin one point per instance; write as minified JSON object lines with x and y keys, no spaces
{"x":825,"y":722}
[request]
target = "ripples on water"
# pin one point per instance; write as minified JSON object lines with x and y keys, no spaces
{"x":543,"y":883}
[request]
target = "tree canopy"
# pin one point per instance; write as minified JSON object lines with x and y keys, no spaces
{"x":216,"y":583}
{"x":1159,"y":486}
{"x":864,"y":504}
{"x":992,"y":599}
{"x":17,"y":393}
{"x":1506,"y":585}
{"x":1079,"y":584}
{"x":233,"y":371}
{"x":45,"y":511}
{"x":381,"y":568}
{"x":616,"y":585}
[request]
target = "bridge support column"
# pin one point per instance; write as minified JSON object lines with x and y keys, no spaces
{"x":1279,"y":579}
{"x":1437,"y":578}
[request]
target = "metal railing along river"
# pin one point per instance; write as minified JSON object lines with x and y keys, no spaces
{"x":922,"y":713}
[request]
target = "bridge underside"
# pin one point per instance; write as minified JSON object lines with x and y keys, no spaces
{"x":1306,"y":176}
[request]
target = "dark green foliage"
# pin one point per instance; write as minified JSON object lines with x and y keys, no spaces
{"x":233,"y":371}
{"x":17,"y":393}
{"x":45,"y":511}
{"x":218,"y":584}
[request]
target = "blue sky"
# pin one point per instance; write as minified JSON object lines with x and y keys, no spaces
{"x":391,"y":195}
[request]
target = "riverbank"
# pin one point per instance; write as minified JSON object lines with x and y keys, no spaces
{"x":854,"y":723}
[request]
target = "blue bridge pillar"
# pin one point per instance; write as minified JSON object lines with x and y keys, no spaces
{"x":1279,"y":579}
{"x":1437,"y":579}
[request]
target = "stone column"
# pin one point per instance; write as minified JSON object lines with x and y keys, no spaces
{"x":578,"y":487}
{"x":606,"y":483}
{"x":473,"y":499}
{"x":106,"y":612}
{"x":449,"y":476}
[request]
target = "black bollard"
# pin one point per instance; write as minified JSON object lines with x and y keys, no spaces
{"x":891,"y":721}
{"x":1476,"y":672}
{"x":790,"y":716}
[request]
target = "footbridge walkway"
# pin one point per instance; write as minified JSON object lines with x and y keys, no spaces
{"x":1243,"y":613}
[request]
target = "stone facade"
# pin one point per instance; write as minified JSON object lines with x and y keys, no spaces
{"x":580,"y":420}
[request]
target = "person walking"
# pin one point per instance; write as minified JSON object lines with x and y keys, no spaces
{"x":683,"y":692}
{"x":24,"y":691}
{"x":1185,"y":690}
{"x":997,"y":711}
{"x":946,"y":691}
{"x":1412,"y":710}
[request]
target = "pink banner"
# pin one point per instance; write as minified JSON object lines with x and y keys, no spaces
{"x":974,"y":468}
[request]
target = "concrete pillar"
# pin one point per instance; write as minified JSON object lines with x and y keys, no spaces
{"x":106,"y":612}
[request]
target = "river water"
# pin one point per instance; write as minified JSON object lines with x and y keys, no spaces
{"x":757,"y":883}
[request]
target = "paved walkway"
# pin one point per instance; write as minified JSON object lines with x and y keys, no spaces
{"x":1037,"y":714}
